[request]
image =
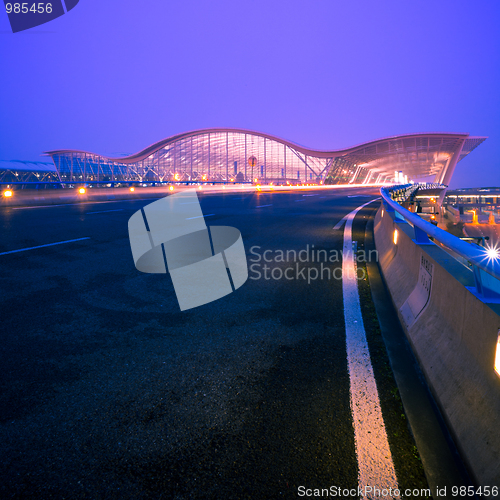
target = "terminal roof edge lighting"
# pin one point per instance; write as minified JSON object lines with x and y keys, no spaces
{"x":236,"y":155}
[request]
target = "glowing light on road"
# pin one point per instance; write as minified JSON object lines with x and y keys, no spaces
{"x":8,"y":193}
{"x":132,"y":189}
{"x":171,"y":188}
{"x":497,"y":356}
{"x":82,"y":191}
{"x":395,"y":238}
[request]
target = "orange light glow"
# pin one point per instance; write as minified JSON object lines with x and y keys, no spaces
{"x":497,"y":356}
{"x":475,"y":218}
{"x":395,"y":239}
{"x":171,"y":188}
{"x":8,"y":193}
{"x":204,"y":177}
{"x":232,"y":180}
{"x":176,"y":177}
{"x":199,"y":188}
{"x":132,"y":189}
{"x":82,"y":191}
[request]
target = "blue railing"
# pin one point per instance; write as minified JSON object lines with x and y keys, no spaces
{"x":485,"y":262}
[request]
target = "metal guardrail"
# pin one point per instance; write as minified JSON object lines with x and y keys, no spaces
{"x":485,"y":262}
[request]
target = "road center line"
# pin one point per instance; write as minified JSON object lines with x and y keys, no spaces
{"x":48,"y":245}
{"x":375,"y":465}
{"x":260,"y":206}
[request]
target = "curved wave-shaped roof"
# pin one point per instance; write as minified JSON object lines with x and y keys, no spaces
{"x":146,"y":152}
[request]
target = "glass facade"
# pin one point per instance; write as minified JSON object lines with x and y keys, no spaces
{"x":242,"y":156}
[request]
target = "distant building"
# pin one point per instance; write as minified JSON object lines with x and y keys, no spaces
{"x":478,"y":197}
{"x":28,"y":173}
{"x":233,"y":155}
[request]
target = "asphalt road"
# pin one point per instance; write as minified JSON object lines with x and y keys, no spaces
{"x":478,"y":230}
{"x":109,"y":391}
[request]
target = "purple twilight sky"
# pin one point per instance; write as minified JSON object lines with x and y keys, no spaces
{"x":113,"y":77}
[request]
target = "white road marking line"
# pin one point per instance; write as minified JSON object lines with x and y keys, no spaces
{"x":260,"y":206}
{"x":199,"y":216}
{"x":309,"y":195}
{"x":83,"y":203}
{"x":44,"y":206}
{"x":375,"y":465}
{"x":105,"y":211}
{"x":299,"y":200}
{"x":48,"y":245}
{"x":340,"y":223}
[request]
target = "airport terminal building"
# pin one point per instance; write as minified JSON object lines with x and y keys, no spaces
{"x":234,"y":155}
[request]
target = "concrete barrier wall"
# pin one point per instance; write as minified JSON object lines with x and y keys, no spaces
{"x":454,"y":338}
